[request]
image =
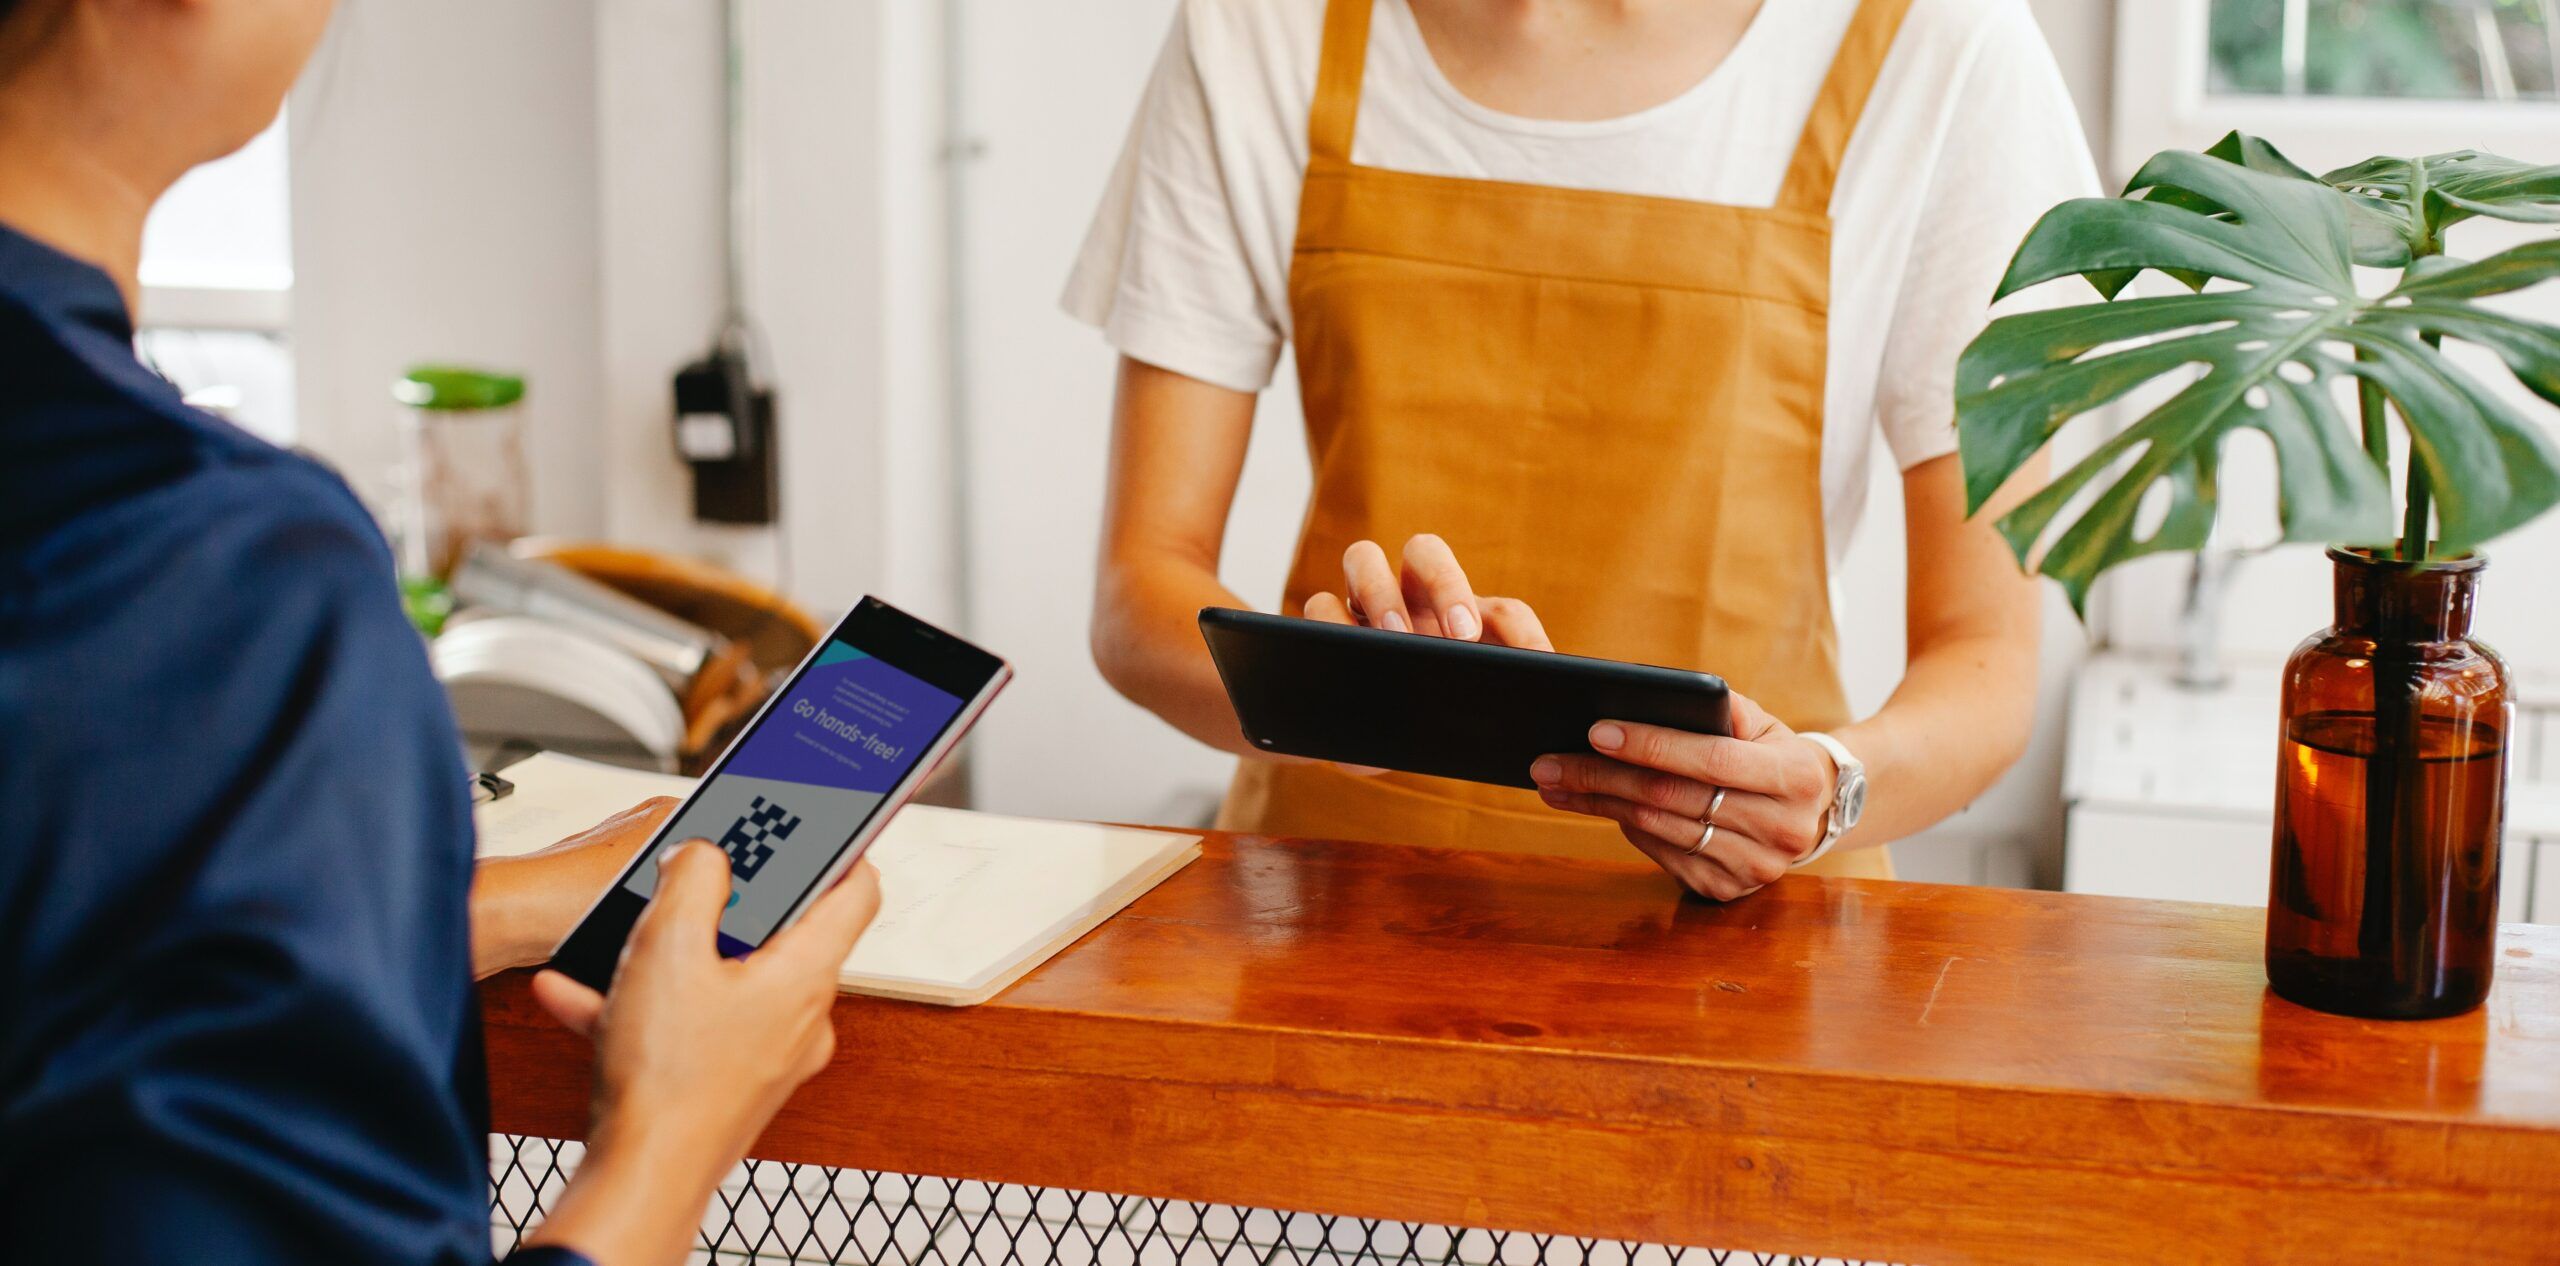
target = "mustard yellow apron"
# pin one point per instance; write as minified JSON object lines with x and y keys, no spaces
{"x":1609,"y":404}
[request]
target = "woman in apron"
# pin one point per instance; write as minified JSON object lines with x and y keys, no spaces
{"x":1608,"y":340}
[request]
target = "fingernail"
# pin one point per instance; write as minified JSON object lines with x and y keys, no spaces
{"x":1394,"y":623}
{"x":1462,"y":623}
{"x":1546,"y":769}
{"x":1553,"y":797}
{"x":1608,"y":737}
{"x":667,"y":855}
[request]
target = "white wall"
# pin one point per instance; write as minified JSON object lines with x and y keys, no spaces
{"x":538,"y":187}
{"x":661,"y":213}
{"x":2082,"y":33}
{"x":445,"y":208}
{"x":1048,"y":93}
{"x":844,"y":278}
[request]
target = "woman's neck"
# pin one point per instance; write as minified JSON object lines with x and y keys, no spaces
{"x":1579,"y":59}
{"x":62,"y":185}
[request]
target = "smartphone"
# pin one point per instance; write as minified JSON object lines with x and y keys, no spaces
{"x":811,"y":781}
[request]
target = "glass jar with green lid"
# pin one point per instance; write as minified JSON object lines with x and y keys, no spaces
{"x":464,"y":477}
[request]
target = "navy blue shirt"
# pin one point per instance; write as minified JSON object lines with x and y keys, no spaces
{"x":236,"y":1014}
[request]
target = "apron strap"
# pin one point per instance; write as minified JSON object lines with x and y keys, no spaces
{"x":1338,"y":70}
{"x":1835,"y":112}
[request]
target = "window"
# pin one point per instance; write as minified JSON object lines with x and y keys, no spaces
{"x":2335,"y":81}
{"x":217,"y":287}
{"x":2472,"y":50}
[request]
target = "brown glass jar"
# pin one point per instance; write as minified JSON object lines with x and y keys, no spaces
{"x":2390,"y":798}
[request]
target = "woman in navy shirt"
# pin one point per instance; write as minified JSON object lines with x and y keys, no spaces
{"x":237,"y":926}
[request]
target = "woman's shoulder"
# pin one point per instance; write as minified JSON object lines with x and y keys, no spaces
{"x":1962,"y":29}
{"x":1288,"y":22}
{"x":94,"y":445}
{"x":1257,"y":46}
{"x":101,"y":489}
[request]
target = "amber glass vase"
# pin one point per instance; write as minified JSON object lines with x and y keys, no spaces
{"x":2390,"y":798}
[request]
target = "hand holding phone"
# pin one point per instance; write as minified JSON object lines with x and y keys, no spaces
{"x":695,"y":1052}
{"x":810,"y":782}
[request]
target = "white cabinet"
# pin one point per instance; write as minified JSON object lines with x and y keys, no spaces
{"x":2170,"y":790}
{"x":2165,"y":854}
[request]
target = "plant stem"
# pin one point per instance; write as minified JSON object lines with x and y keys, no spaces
{"x":2414,"y":542}
{"x":2394,"y":916}
{"x":2413,"y":531}
{"x":2377,"y":427}
{"x":2377,"y":433}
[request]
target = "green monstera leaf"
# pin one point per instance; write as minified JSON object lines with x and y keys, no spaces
{"x":2426,"y":196}
{"x":2264,"y":349}
{"x":2378,"y":232}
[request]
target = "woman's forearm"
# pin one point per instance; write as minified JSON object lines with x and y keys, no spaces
{"x":1982,"y":688}
{"x":1146,"y":641}
{"x":638,"y":1196}
{"x":1177,"y":451}
{"x":510,"y":908}
{"x":1966,"y":705}
{"x":523,"y":907}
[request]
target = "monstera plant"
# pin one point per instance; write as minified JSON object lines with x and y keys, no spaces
{"x":2273,"y":319}
{"x":2390,"y":791}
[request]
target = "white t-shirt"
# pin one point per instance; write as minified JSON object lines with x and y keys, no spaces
{"x":1968,"y":137}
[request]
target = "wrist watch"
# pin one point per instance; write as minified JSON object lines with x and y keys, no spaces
{"x":1848,"y":796}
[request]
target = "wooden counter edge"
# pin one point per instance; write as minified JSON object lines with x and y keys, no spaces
{"x":1793,"y":1161}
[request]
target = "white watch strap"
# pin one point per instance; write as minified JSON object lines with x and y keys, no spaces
{"x":1846,"y":764}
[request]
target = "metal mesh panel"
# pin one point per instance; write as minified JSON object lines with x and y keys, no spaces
{"x":769,"y":1212}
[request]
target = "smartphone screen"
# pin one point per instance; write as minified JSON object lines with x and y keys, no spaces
{"x":829,"y":752}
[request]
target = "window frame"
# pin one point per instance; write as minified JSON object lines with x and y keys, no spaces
{"x":250,"y":309}
{"x":2162,"y":102}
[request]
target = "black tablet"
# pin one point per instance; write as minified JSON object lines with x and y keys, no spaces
{"x":1430,"y":705}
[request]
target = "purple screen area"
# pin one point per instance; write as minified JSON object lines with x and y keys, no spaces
{"x":813,"y":772}
{"x":853,"y":723}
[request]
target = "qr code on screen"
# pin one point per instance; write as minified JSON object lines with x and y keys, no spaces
{"x":749,"y":841}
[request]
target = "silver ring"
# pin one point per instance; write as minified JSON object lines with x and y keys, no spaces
{"x":1713,"y":806}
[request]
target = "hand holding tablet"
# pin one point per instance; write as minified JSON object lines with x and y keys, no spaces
{"x":1411,"y":670}
{"x":1435,"y":705}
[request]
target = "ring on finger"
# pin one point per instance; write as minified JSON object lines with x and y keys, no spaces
{"x":1714,"y":803}
{"x":1703,"y":840}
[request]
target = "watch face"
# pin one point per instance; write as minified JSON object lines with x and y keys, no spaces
{"x":1853,"y":800}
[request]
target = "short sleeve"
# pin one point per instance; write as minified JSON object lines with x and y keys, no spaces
{"x":1164,"y":272}
{"x":2013,"y":150}
{"x":236,"y":1022}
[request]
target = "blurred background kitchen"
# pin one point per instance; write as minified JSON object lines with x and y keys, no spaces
{"x":546,"y":192}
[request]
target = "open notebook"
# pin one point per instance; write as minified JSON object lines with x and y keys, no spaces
{"x":973,"y":901}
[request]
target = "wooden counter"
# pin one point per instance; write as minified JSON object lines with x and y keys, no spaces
{"x":1891,"y":1071}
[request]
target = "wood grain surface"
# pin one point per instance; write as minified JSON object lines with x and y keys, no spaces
{"x":1879,"y":1070}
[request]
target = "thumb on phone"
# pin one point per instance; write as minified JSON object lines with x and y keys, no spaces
{"x":693,"y":888}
